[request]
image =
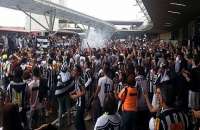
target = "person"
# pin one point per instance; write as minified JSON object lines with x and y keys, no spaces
{"x":155,"y":105}
{"x":87,"y":75}
{"x":33,"y":88}
{"x":128,"y":96}
{"x":162,"y":73}
{"x":51,"y":81}
{"x":196,"y":113}
{"x":196,"y":118}
{"x":170,"y":117}
{"x":64,"y":84}
{"x":110,"y":119}
{"x":119,"y":83}
{"x":18,"y":93}
{"x":179,"y":61}
{"x":6,"y":71}
{"x":141,"y":85}
{"x":36,"y":90}
{"x":79,"y":95}
{"x":105,"y":85}
{"x":182,"y":84}
{"x":11,"y":117}
{"x":194,"y":90}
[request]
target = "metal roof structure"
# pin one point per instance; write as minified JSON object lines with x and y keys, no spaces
{"x":138,"y":23}
{"x":44,"y":7}
{"x":168,"y":15}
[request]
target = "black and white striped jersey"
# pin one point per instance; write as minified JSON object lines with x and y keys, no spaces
{"x":63,"y":87}
{"x":87,"y":77}
{"x":108,"y":122}
{"x":78,"y":84}
{"x":17,"y":91}
{"x":172,"y":119}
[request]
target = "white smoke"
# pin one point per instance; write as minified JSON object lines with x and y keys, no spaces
{"x":96,"y":38}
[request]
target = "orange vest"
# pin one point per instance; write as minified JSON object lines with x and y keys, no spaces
{"x":128,"y":95}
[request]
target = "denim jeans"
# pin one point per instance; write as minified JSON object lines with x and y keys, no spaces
{"x":79,"y":120}
{"x":96,"y":110}
{"x":128,"y":120}
{"x":63,"y":104}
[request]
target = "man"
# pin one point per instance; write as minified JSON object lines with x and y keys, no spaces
{"x":129,"y":99}
{"x":65,"y":83}
{"x":169,"y":117}
{"x":79,"y":95}
{"x":35,"y":105}
{"x":51,"y":83}
{"x":17,"y":92}
{"x":6,"y":71}
{"x":181,"y":86}
{"x":110,"y":120}
{"x":105,"y":85}
{"x":87,"y":75}
{"x":163,"y":73}
{"x":194,"y":92}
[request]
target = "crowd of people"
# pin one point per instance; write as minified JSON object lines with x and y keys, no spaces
{"x":132,"y":85}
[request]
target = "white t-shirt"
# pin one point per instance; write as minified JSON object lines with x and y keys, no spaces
{"x":1,"y":128}
{"x":106,"y":85}
{"x":64,"y":76}
{"x":155,"y":102}
{"x":152,"y":124}
{"x":108,"y":122}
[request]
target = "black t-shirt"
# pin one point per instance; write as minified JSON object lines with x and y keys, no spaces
{"x":43,"y":89}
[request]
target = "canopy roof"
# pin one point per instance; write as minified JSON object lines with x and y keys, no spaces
{"x":45,"y":7}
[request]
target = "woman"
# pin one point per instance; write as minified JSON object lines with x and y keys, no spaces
{"x":155,"y":105}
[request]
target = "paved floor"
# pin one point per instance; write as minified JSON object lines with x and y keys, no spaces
{"x":89,"y":126}
{"x":51,"y":118}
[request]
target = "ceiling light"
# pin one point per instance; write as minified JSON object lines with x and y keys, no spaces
{"x":174,"y":12}
{"x":178,"y":4}
{"x":168,"y":23}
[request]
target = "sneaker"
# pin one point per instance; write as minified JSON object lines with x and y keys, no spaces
{"x":88,"y":117}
